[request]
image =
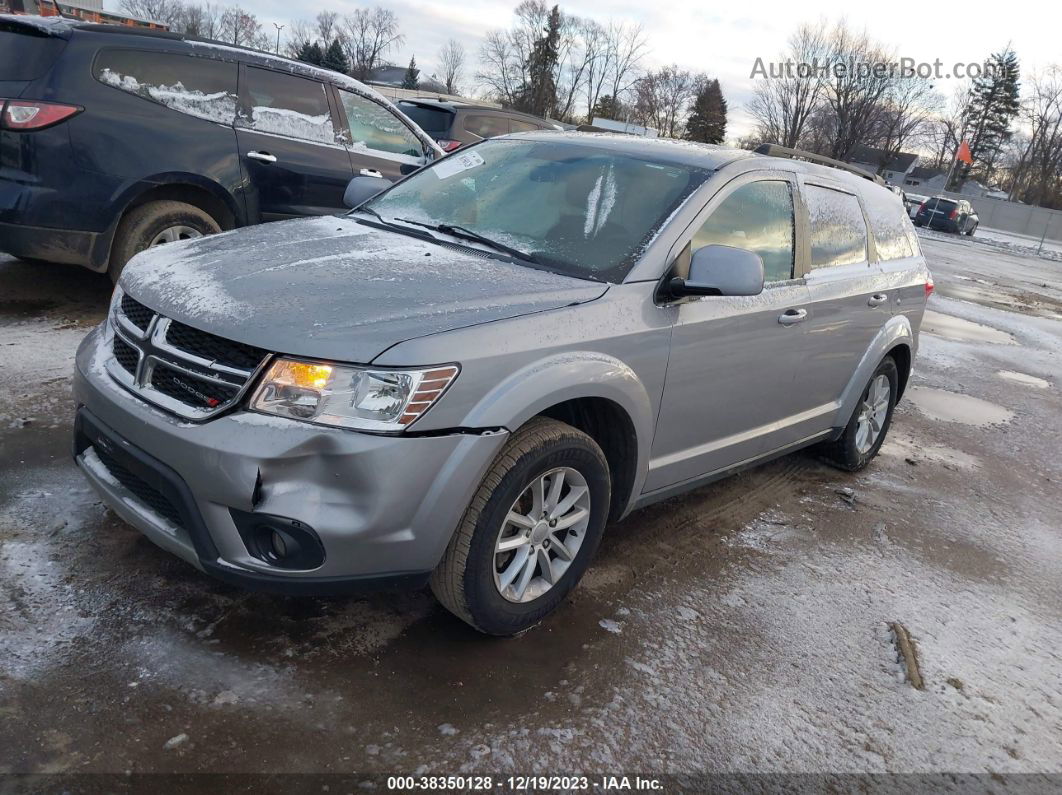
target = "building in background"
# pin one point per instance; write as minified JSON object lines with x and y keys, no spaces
{"x":896,"y":167}
{"x":85,"y":10}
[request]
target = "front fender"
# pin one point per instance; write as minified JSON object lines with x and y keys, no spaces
{"x":896,"y":331}
{"x":568,"y":376}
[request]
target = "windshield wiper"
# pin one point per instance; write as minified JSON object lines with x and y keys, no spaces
{"x":467,"y":234}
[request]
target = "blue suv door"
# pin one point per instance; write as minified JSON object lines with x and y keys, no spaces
{"x":293,"y":159}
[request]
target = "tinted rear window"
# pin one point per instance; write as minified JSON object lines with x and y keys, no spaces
{"x":944,"y":205}
{"x":433,"y":121}
{"x":26,"y":56}
{"x":199,"y":87}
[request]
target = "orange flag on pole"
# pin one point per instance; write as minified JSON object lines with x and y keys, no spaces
{"x":964,"y":154}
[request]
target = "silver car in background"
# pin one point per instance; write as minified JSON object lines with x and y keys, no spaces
{"x":462,"y":381}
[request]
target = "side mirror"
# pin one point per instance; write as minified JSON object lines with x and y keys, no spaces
{"x":721,"y":270}
{"x":361,"y":189}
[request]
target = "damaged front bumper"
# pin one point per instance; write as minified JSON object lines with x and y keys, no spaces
{"x":383,"y":508}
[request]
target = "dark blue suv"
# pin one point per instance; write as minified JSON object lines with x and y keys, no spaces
{"x":115,"y":139}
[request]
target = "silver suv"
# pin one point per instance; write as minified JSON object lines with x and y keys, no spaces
{"x":465,"y":379}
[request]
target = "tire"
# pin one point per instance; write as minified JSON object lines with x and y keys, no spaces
{"x":919,"y":224}
{"x":466,"y":580}
{"x":972,"y":230}
{"x":846,"y":453}
{"x":142,"y":225}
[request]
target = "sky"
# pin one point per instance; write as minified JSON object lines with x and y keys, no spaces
{"x":723,"y":40}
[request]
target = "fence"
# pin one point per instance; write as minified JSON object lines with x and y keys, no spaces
{"x":1018,"y":219}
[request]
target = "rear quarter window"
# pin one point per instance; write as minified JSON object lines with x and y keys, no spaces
{"x":888,"y":223}
{"x":838,"y":231}
{"x":26,"y":56}
{"x":434,"y":121}
{"x":487,"y":126}
{"x":195,"y":86}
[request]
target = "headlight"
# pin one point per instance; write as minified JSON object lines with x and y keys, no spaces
{"x":350,"y":397}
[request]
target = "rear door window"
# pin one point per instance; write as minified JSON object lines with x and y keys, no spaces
{"x":375,"y":127}
{"x":26,"y":56}
{"x":838,"y":231}
{"x":757,"y":217}
{"x":487,"y":126}
{"x":195,"y":86}
{"x":283,"y":104}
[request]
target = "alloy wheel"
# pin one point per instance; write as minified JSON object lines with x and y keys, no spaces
{"x":872,"y":413}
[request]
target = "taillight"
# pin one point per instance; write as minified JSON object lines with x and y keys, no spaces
{"x":953,"y":215}
{"x":929,"y":285}
{"x":29,"y":115}
{"x":921,"y":208}
{"x":448,"y":145}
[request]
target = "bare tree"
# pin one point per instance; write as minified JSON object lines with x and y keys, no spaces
{"x":242,"y":28}
{"x":300,"y":34}
{"x":203,"y":21}
{"x":855,"y":93}
{"x":167,"y":12}
{"x":907,"y":110}
{"x":629,"y":44}
{"x":1037,"y":174}
{"x":368,"y":34}
{"x":662,"y":97}
{"x":326,"y":24}
{"x":783,"y":104}
{"x":452,"y":64}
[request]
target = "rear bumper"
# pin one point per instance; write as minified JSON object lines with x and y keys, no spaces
{"x":939,"y":224}
{"x":67,"y":246}
{"x":382,"y":508}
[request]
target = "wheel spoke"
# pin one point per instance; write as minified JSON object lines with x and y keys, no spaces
{"x":571,"y":519}
{"x":556,"y":484}
{"x":518,"y":519}
{"x":557,"y":545}
{"x":530,"y":564}
{"x":569,"y":500}
{"x":511,"y":543}
{"x":516,"y":565}
{"x":546,"y":565}
{"x":538,"y":497}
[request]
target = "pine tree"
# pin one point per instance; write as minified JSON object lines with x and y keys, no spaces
{"x":311,"y":53}
{"x":707,"y":121}
{"x":540,"y":96}
{"x":411,"y":80}
{"x":608,"y":107}
{"x":993,"y":107}
{"x":335,"y":59}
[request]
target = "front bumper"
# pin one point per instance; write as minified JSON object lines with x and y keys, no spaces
{"x":383,"y":507}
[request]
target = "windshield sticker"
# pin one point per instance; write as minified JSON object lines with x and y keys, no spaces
{"x":455,"y":164}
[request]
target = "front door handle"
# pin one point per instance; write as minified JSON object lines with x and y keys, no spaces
{"x":791,"y":317}
{"x":877,"y":299}
{"x":370,"y":172}
{"x":263,"y":157}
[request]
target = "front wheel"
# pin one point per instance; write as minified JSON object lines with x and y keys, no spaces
{"x":866,"y":430}
{"x":530,"y":531}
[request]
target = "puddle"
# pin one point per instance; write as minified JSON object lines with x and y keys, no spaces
{"x":954,"y":328}
{"x":1024,"y":379}
{"x":938,"y":404}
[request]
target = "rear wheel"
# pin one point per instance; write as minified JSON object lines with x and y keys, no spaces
{"x":972,"y":230}
{"x":530,"y":531}
{"x":156,"y":224}
{"x":866,"y":430}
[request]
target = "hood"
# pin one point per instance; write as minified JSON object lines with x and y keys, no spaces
{"x":333,"y":288}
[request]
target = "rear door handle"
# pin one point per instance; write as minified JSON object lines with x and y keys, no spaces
{"x":370,"y":172}
{"x":791,"y":317}
{"x":877,"y":299}
{"x":263,"y":157}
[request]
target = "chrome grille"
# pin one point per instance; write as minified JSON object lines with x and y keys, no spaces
{"x":190,"y":372}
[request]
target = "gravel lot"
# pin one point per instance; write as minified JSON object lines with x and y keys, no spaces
{"x":743,"y":627}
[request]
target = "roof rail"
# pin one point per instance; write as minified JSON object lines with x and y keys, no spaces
{"x":774,"y":150}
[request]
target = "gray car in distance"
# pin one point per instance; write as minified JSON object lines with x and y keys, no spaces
{"x":463,"y":380}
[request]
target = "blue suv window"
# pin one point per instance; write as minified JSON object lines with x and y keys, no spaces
{"x":196,"y":86}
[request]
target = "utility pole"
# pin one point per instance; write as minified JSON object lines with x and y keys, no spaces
{"x":279,"y":28}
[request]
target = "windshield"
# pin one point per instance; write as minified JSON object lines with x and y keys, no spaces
{"x":579,"y":210}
